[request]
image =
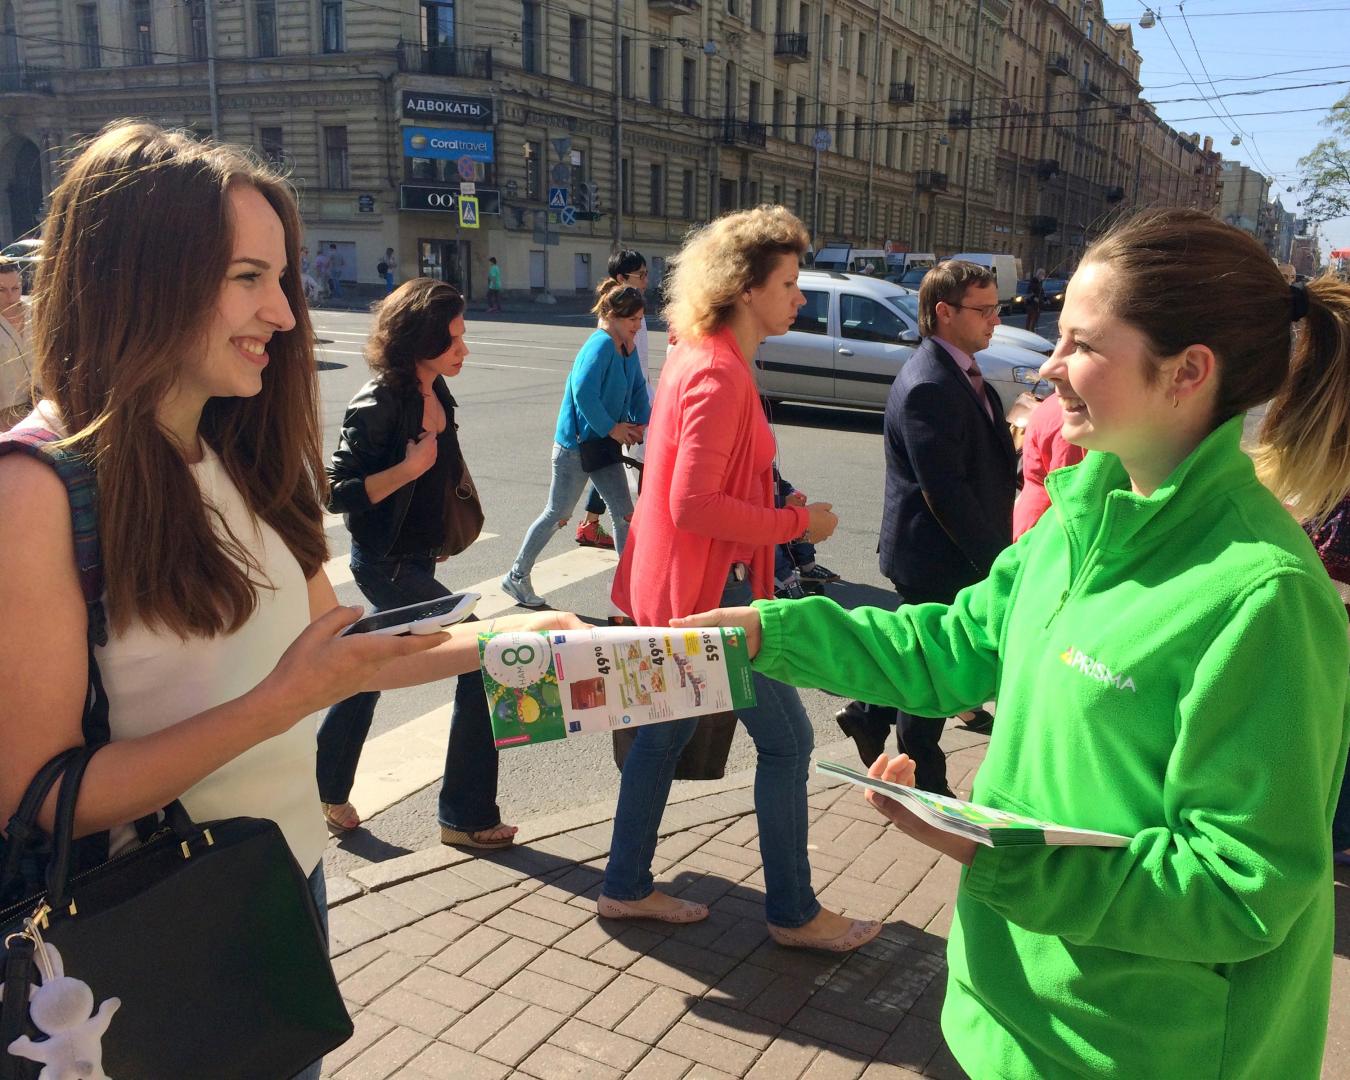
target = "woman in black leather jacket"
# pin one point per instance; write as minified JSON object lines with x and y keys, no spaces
{"x":393,"y":476}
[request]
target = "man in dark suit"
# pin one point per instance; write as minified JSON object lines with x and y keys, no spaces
{"x":950,"y":484}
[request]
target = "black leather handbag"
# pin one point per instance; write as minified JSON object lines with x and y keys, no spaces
{"x":599,"y":453}
{"x":207,"y":934}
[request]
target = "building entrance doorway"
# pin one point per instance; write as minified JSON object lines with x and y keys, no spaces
{"x":446,"y":260}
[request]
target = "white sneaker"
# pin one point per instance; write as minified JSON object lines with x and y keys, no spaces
{"x":520,"y":590}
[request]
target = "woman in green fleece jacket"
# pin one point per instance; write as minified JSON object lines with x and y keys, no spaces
{"x":1170,"y":662}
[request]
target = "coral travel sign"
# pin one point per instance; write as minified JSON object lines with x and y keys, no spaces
{"x":465,"y":110}
{"x":424,"y":142}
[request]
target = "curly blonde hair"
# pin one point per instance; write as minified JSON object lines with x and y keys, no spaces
{"x":721,"y":260}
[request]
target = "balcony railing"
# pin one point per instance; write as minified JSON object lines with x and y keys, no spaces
{"x":675,"y":6}
{"x":930,"y":180}
{"x":1046,"y":168}
{"x":744,"y":133}
{"x":789,"y":47}
{"x":902,"y":93}
{"x":1089,"y":88}
{"x":1043,"y":225}
{"x":957,"y":118}
{"x":25,"y":80}
{"x":1057,"y":65}
{"x":456,"y":61}
{"x":1115,"y":194}
{"x":1124,"y":112}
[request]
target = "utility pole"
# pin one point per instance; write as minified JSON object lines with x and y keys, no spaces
{"x":618,"y":131}
{"x":872,"y":119}
{"x":970,"y":125}
{"x":824,"y":47}
{"x":209,"y":14}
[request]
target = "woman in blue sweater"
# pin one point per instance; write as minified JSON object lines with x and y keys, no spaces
{"x":605,"y":397}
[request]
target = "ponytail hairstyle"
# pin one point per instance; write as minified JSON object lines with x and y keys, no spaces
{"x":614,"y":300}
{"x":135,"y":250}
{"x":1183,"y":278}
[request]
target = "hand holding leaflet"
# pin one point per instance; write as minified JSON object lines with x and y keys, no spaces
{"x":546,"y":686}
{"x":982,"y":824}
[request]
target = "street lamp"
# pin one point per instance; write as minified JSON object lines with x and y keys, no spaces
{"x":1148,"y":20}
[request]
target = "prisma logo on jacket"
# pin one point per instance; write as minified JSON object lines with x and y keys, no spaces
{"x":1096,"y":670}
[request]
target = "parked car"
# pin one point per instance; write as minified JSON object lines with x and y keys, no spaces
{"x":910,"y":279}
{"x":851,"y":337}
{"x":1003,"y":334}
{"x":27,"y":253}
{"x":1018,"y":304}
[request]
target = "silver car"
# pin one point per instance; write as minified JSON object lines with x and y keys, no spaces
{"x":851,"y":337}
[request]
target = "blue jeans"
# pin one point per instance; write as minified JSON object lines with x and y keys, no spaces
{"x":319,"y":888}
{"x":783,"y":741}
{"x":568,"y":481}
{"x":468,"y":798}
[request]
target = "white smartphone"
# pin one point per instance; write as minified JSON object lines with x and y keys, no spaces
{"x":424,"y":618}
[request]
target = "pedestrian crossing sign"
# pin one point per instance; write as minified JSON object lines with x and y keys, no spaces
{"x":468,"y":212}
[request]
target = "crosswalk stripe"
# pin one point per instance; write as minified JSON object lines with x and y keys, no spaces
{"x":339,"y":567}
{"x":411,"y":756}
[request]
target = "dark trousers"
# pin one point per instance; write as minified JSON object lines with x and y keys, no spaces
{"x":916,"y":736}
{"x":468,"y":797}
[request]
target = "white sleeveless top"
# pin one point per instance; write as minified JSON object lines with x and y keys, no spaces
{"x":154,"y":679}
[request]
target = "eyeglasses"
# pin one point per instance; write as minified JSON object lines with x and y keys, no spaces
{"x":985,"y":310}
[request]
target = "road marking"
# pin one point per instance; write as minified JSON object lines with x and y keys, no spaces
{"x":518,"y":345}
{"x":407,"y":758}
{"x":339,"y":567}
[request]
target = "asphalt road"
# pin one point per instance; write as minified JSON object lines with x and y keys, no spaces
{"x":508,"y":396}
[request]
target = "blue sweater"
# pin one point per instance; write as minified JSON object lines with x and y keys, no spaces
{"x":603,"y":389}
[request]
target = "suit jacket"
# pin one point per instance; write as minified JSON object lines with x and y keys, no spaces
{"x":940,"y":442}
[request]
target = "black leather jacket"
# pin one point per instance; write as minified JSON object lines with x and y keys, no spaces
{"x":375,"y":432}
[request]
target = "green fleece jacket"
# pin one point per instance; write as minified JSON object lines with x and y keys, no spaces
{"x":1173,"y":668}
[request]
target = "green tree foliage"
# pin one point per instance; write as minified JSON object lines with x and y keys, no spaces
{"x":1326,"y":168}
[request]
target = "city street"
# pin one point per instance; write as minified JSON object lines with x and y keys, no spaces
{"x":508,"y":399}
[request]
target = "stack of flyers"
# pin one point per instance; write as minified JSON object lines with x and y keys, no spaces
{"x":983,"y":824}
{"x":550,"y":685}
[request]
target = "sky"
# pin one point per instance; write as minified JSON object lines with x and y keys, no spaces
{"x":1244,"y":46}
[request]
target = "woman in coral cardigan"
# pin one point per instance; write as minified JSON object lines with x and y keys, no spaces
{"x":704,"y":534}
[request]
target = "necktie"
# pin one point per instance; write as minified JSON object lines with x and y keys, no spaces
{"x":976,"y":377}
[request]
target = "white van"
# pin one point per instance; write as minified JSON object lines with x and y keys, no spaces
{"x":844,"y":258}
{"x":1007,"y":271}
{"x":897,"y":262}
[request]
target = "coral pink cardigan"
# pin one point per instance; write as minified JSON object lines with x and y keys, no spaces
{"x":704,"y":503}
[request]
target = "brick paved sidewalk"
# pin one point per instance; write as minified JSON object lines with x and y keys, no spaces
{"x":496,"y":965}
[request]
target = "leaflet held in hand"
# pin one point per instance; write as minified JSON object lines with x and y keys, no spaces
{"x":543,"y":686}
{"x":983,"y":824}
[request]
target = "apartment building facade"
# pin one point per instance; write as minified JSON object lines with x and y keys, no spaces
{"x":567,"y":131}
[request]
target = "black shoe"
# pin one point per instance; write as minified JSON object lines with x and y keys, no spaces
{"x":981,"y":723}
{"x":816,"y":574}
{"x":791,"y":589}
{"x":870,"y":745}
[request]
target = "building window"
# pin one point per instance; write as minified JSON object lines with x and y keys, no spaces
{"x":534,"y":163}
{"x":334,"y":33}
{"x":862,"y":53}
{"x":196,"y":13}
{"x":579,"y":178}
{"x":625,"y":186}
{"x":799,"y":119}
{"x":688,"y":77}
{"x":839,"y":131}
{"x":142,"y":33}
{"x":91,"y":53}
{"x":438,"y":25}
{"x":753,"y":102}
{"x":270,"y":143}
{"x":626,"y":66}
{"x":687,"y":195}
{"x":656,"y":77}
{"x":844,"y":35}
{"x":529,"y":36}
{"x":335,"y":157}
{"x":779,"y":108}
{"x":658,"y":188}
{"x":578,"y":49}
{"x":265,"y":21}
{"x":757,"y":14}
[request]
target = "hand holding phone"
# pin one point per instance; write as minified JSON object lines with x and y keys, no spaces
{"x":424,"y":618}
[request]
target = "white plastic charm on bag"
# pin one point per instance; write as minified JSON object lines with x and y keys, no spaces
{"x":63,"y":1010}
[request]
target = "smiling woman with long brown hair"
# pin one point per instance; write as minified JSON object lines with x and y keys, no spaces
{"x":176,"y":355}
